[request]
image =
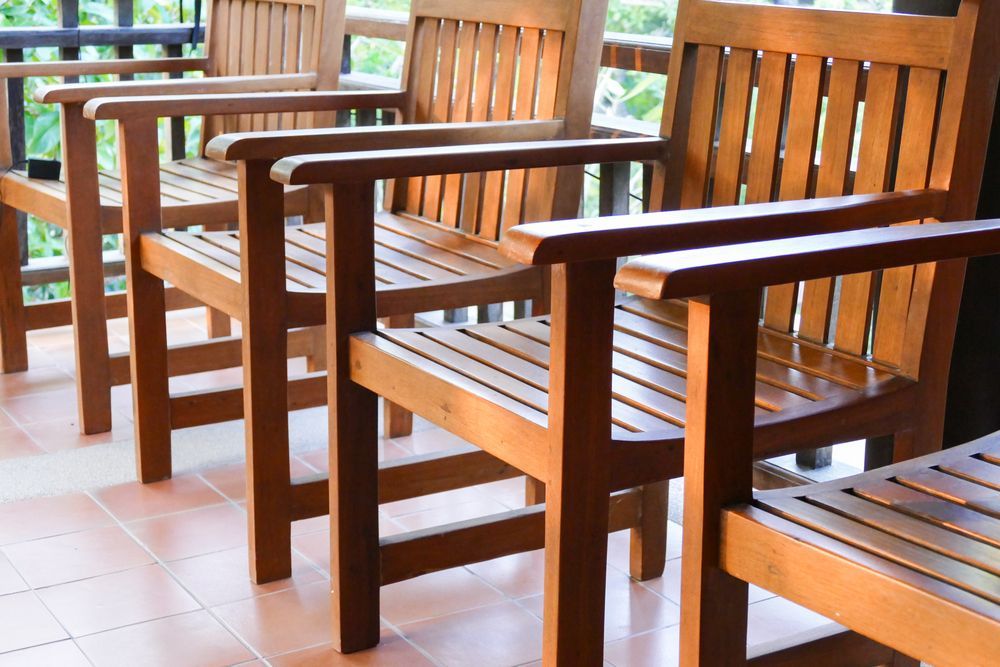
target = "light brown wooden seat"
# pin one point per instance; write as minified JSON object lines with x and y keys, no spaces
{"x":193,"y":192}
{"x":268,"y":45}
{"x":474,"y":73}
{"x":418,"y":262}
{"x":587,"y":428}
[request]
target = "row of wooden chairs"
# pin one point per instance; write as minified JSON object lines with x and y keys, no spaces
{"x":763,"y":144}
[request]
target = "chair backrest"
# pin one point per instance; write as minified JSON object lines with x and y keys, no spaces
{"x":470,"y":60}
{"x":769,"y":103}
{"x":254,"y":37}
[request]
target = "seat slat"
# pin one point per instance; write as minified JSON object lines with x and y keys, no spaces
{"x":886,"y":546}
{"x":975,"y":470}
{"x":977,"y":497}
{"x":925,"y":533}
{"x":314,"y":254}
{"x":910,"y":501}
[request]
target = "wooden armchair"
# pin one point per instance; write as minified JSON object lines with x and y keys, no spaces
{"x":488,"y":72}
{"x":908,"y":555}
{"x":595,"y":398}
{"x":274,"y":45}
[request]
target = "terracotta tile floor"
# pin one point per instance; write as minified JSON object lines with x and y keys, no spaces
{"x":151,"y":575}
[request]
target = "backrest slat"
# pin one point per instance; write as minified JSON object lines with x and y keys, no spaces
{"x":762,"y":171}
{"x":701,"y":134}
{"x":797,"y":180}
{"x":739,"y":82}
{"x":472,"y":183}
{"x":834,"y":166}
{"x":541,"y":182}
{"x":465,"y":75}
{"x":441,"y":109}
{"x":878,"y":139}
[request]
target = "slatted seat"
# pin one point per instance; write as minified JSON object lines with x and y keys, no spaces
{"x":195,"y":191}
{"x":251,"y":46}
{"x":924,"y":534}
{"x":413,"y":254}
{"x":508,"y":363}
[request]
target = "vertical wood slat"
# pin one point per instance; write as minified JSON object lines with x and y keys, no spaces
{"x":487,"y":60}
{"x":728,"y":178}
{"x":797,"y":169}
{"x":233,"y":45}
{"x":425,"y":54}
{"x":541,"y":182}
{"x":275,"y":52}
{"x":527,"y":82}
{"x":489,"y":222}
{"x":261,"y":50}
{"x":765,"y":147}
{"x":291,"y":62}
{"x":69,"y":17}
{"x":701,"y":133}
{"x":878,"y":133}
{"x":248,"y":40}
{"x":835,"y":163}
{"x":124,"y":17}
{"x":178,"y":140}
{"x":441,"y":109}
{"x":461,"y":112}
{"x":919,"y":117}
{"x":307,"y":58}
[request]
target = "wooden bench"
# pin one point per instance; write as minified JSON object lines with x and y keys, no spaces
{"x":250,"y":47}
{"x":597,"y":398}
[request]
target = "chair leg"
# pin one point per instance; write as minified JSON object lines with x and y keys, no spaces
{"x":218,"y":323}
{"x":534,"y":491}
{"x":265,"y":407}
{"x":398,"y":420}
{"x":13,"y":329}
{"x":648,"y":543}
{"x":316,"y":359}
{"x":90,"y":329}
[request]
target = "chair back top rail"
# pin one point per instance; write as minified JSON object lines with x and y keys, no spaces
{"x":768,"y":103}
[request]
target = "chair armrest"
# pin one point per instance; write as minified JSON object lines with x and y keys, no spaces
{"x":130,"y":108}
{"x":275,"y":145}
{"x":375,"y":165}
{"x":622,"y":236}
{"x":115,"y":66}
{"x":78,"y":93}
{"x":752,"y":265}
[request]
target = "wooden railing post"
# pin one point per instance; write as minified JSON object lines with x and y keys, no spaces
{"x":125,"y":16}
{"x":69,"y":17}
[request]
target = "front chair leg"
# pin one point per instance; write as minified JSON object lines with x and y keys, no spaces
{"x":146,"y":301}
{"x":13,"y":329}
{"x":86,"y":272}
{"x":648,"y":540}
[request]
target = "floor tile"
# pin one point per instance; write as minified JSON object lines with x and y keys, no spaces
{"x":42,"y":406}
{"x":56,"y":654}
{"x":88,"y":553}
{"x":10,"y":580}
{"x":193,"y":533}
{"x":15,"y":443}
{"x":501,"y":635}
{"x":45,"y":517}
{"x":132,"y":501}
{"x":434,"y":501}
{"x":315,"y":545}
{"x":231,"y":480}
{"x":429,"y":440}
{"x":777,"y":619}
{"x":26,"y":622}
{"x":392,"y":651}
{"x":618,"y":546}
{"x":192,"y":640}
{"x":435,"y":595}
{"x":115,"y":600}
{"x":5,"y":420}
{"x":518,"y":575}
{"x":33,"y":381}
{"x":63,"y":433}
{"x":629,"y":608}
{"x":281,"y":622}
{"x":223,"y":577}
{"x":660,"y":648}
{"x":450,"y":513}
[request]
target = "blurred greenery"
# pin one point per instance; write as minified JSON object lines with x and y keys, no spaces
{"x":620,"y":93}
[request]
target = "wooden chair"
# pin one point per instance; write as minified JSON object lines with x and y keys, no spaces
{"x":250,"y":46}
{"x":594,"y":398}
{"x":907,"y":555}
{"x":469,"y":66}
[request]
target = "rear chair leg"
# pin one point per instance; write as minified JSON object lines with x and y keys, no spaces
{"x":316,"y":359}
{"x":13,"y":329}
{"x":398,"y":420}
{"x":648,"y":540}
{"x":534,"y":491}
{"x":218,"y":323}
